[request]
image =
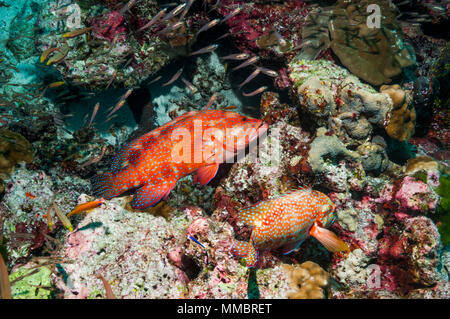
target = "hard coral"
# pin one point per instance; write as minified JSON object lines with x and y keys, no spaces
{"x":329,"y":95}
{"x":403,"y":117}
{"x":14,"y":148}
{"x":375,"y":55}
{"x":308,"y":281}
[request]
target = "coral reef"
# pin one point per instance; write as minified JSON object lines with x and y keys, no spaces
{"x":331,"y":96}
{"x":375,"y":55}
{"x":308,"y":280}
{"x":403,"y":116}
{"x":14,"y":148}
{"x":164,"y":264}
{"x":359,"y":114}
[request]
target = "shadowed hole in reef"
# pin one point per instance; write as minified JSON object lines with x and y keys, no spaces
{"x":190,"y":267}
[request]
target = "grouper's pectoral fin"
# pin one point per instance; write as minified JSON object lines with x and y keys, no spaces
{"x":246,"y":250}
{"x":206,"y":173}
{"x":289,"y":248}
{"x":149,"y":195}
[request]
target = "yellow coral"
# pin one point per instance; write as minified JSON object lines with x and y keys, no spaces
{"x":424,"y":164}
{"x":403,"y":116}
{"x":307,"y":281}
{"x":14,"y":148}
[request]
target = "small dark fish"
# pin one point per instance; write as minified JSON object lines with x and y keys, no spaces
{"x":96,"y":107}
{"x":174,"y":78}
{"x":211,"y":101}
{"x":208,"y":49}
{"x":127,"y":94}
{"x":155,"y":19}
{"x":63,"y":218}
{"x":250,"y":77}
{"x":250,"y":61}
{"x":195,"y":241}
{"x":230,"y":107}
{"x":209,"y":25}
{"x":172,"y":4}
{"x":113,"y":77}
{"x":223,"y":36}
{"x":156,"y":79}
{"x":174,"y":12}
{"x":232,"y":14}
{"x":268,"y":72}
{"x":75,"y":33}
{"x":128,"y":6}
{"x":171,"y":27}
{"x":189,"y":85}
{"x":185,"y":11}
{"x":236,"y":56}
{"x":121,"y":102}
{"x":214,"y":6}
{"x":117,"y":107}
{"x":255,"y":92}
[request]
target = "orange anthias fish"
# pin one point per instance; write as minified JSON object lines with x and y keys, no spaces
{"x":147,"y":163}
{"x":286,"y":222}
{"x":86,"y":207}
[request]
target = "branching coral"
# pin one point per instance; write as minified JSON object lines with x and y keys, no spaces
{"x":307,"y":280}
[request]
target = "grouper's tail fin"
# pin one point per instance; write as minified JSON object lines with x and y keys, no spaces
{"x":246,"y":250}
{"x":107,"y":186}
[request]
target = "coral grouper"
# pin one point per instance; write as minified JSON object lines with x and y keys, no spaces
{"x":287,"y":221}
{"x":195,"y":141}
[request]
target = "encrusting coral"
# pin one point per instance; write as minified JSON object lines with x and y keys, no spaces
{"x":376,"y":55}
{"x":14,"y":148}
{"x":402,"y":122}
{"x":330,"y":96}
{"x":307,"y":280}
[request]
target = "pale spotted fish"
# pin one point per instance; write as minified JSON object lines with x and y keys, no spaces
{"x":286,"y":222}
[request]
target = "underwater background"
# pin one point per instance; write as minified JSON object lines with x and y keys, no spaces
{"x":358,"y":102}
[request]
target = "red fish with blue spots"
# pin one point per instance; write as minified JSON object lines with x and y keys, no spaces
{"x":147,"y":164}
{"x":286,"y":222}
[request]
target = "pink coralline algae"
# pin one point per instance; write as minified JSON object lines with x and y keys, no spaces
{"x":414,"y":195}
{"x":199,"y":227}
{"x":78,"y":244}
{"x":412,"y":255}
{"x":109,"y":26}
{"x":407,"y":196}
{"x":258,"y":20}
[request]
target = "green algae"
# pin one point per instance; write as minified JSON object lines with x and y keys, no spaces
{"x":444,"y":208}
{"x":34,"y":286}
